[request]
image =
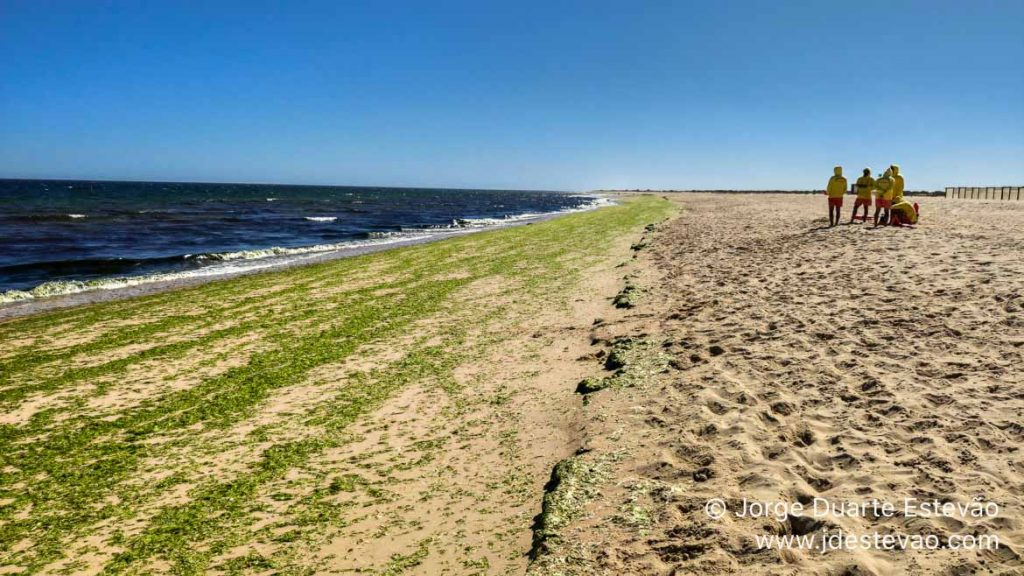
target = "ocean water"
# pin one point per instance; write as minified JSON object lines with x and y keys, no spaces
{"x":59,"y":237}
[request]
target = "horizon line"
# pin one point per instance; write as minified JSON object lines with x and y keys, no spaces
{"x":133,"y":181}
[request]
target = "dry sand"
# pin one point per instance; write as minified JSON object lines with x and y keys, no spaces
{"x":769,"y":358}
{"x":846,"y":364}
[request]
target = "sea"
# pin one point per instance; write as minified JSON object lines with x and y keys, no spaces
{"x":61,"y":236}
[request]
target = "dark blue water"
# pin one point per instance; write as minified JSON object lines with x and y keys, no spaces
{"x":54,"y":231}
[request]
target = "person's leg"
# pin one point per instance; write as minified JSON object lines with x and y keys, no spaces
{"x":878,"y":208}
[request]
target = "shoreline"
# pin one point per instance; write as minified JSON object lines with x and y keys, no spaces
{"x":33,"y":306}
{"x":244,"y":418}
{"x":538,"y":400}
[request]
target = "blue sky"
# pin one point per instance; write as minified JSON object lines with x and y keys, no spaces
{"x":550,"y":94}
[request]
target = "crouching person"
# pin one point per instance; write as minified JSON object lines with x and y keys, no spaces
{"x":903,"y":212}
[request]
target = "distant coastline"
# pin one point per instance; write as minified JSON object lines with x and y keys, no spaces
{"x":673,"y":191}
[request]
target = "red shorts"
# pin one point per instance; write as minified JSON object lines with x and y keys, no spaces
{"x":883,"y":203}
{"x":862,"y":202}
{"x":835,"y":202}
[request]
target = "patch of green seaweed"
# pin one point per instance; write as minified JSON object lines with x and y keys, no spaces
{"x":633,"y":361}
{"x":59,"y":477}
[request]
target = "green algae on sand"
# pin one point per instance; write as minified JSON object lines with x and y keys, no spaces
{"x":136,"y":437}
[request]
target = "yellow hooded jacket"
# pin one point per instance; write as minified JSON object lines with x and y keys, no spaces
{"x":897,"y":183}
{"x":884,"y":186}
{"x":836,"y":184}
{"x":865,"y":184}
{"x":906,"y":211}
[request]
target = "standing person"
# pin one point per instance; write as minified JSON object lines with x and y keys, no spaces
{"x":835,"y":190}
{"x":883,"y":198}
{"x":865,"y":184}
{"x":897,"y":183}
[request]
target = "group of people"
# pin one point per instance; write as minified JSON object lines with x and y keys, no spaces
{"x":890,"y":205}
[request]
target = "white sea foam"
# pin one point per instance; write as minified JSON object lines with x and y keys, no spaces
{"x":476,"y":223}
{"x":230,"y":263}
{"x":321,"y":218}
{"x":222,"y":264}
{"x":76,"y":216}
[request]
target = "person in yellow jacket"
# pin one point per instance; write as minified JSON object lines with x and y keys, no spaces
{"x":883,"y":197}
{"x":903,"y":212}
{"x":897,"y":183}
{"x":835,"y":190}
{"x":865,"y":184}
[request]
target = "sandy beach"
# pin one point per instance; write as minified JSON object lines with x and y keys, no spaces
{"x":561,"y":398}
{"x":511,"y":289}
{"x":806,"y":364}
{"x":396,"y":412}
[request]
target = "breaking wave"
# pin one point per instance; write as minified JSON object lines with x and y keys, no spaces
{"x":45,"y":217}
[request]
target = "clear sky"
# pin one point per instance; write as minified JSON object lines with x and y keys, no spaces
{"x":519,"y":94}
